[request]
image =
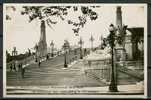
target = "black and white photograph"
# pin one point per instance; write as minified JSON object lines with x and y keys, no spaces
{"x":75,"y":50}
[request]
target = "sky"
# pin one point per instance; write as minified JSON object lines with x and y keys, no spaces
{"x":20,"y":33}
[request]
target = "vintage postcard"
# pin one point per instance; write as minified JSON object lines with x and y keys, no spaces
{"x":75,"y":50}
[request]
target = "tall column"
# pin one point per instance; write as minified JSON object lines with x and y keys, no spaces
{"x":120,"y":47}
{"x":43,"y":32}
{"x":119,"y":17}
{"x":42,"y":42}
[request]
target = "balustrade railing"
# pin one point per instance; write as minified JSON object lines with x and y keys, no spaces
{"x":24,"y":62}
{"x":101,"y":70}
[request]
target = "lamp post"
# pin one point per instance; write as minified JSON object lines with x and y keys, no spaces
{"x":101,"y":40}
{"x":52,"y":48}
{"x":14,"y":54}
{"x":65,"y":47}
{"x":91,"y":39}
{"x":36,"y":48}
{"x":113,"y":84}
{"x":80,"y":43}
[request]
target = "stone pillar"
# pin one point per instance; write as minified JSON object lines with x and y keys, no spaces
{"x":120,"y":47}
{"x":42,"y":42}
{"x":120,"y":53}
{"x":119,"y":17}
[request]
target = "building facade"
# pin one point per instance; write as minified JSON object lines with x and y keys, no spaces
{"x":133,"y":45}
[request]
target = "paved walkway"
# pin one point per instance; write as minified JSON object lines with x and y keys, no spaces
{"x":52,"y":73}
{"x":51,"y":77}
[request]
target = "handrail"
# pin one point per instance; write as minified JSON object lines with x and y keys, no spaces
{"x":23,"y":61}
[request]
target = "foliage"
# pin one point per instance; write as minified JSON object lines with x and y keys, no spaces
{"x":121,"y":36}
{"x":110,"y":39}
{"x":12,"y":8}
{"x":8,"y":56}
{"x":29,"y":52}
{"x":104,"y":44}
{"x":114,"y":38}
{"x":137,"y":37}
{"x":46,"y":13}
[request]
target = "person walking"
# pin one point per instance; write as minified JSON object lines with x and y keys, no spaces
{"x":11,"y":67}
{"x":39,"y":63}
{"x":22,"y":71}
{"x":14,"y":67}
{"x":19,"y":67}
{"x":47,"y":57}
{"x":85,"y":52}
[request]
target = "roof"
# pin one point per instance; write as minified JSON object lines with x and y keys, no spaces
{"x":136,"y":30}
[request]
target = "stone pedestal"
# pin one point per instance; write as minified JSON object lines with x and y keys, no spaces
{"x":120,"y":53}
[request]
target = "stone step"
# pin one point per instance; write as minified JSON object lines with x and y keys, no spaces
{"x":130,"y":72}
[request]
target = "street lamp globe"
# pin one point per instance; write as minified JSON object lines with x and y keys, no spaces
{"x":112,"y":28}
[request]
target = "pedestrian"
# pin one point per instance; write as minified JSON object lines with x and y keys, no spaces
{"x":19,"y":67}
{"x":39,"y":63}
{"x":85,"y":51}
{"x":47,"y":57}
{"x":58,"y":53}
{"x":14,"y":67}
{"x":75,"y":51}
{"x":22,"y":71}
{"x":36,"y":59}
{"x":11,"y":67}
